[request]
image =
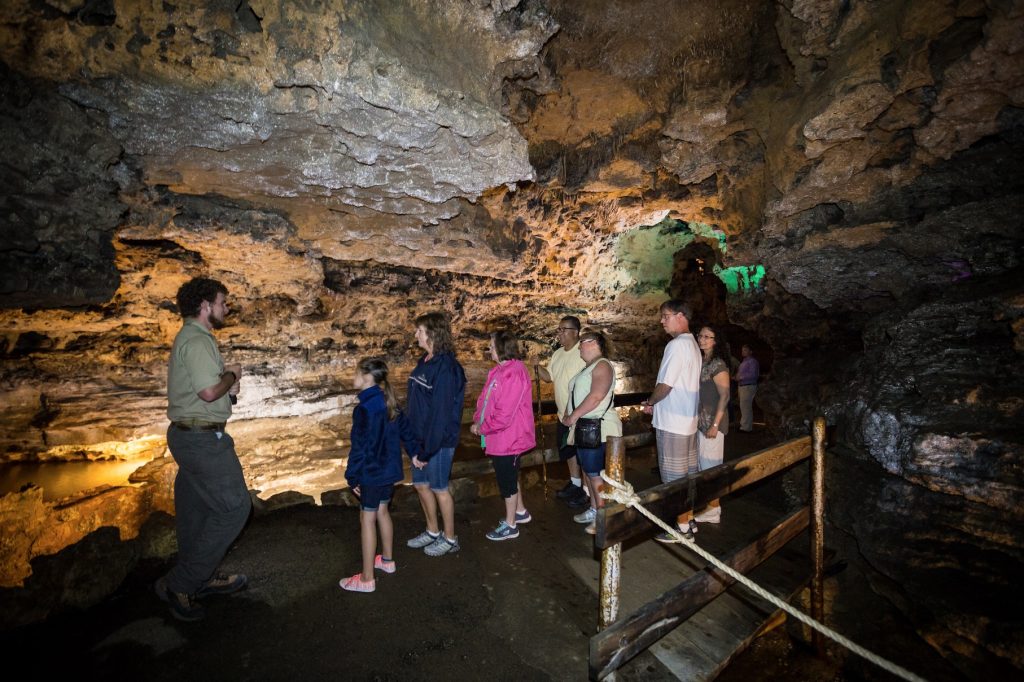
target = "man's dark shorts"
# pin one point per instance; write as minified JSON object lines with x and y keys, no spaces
{"x":565,"y":451}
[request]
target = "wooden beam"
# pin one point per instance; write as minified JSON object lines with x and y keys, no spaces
{"x":612,"y":647}
{"x":547,"y":407}
{"x":636,"y":440}
{"x":482,"y":466}
{"x":617,"y":523}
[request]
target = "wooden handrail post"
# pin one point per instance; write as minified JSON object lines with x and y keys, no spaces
{"x":611,"y":557}
{"x":818,"y":531}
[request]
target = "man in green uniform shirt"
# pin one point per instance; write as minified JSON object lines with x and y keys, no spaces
{"x":211,"y":498}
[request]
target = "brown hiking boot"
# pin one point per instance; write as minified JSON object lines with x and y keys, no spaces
{"x":222,"y":583}
{"x":183,"y":606}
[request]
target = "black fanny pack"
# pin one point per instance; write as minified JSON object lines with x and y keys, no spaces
{"x":588,"y":433}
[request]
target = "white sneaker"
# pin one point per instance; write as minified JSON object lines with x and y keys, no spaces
{"x":586,"y":516}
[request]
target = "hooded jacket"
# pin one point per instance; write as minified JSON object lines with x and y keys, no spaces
{"x":504,"y":410}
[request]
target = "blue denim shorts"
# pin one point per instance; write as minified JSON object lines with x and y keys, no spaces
{"x":437,"y":472}
{"x":371,"y":496}
{"x":591,"y":459}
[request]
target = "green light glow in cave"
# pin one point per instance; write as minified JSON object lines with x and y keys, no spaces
{"x":741,"y":279}
{"x":645,"y":258}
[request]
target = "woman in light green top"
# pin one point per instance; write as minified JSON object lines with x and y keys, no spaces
{"x":591,"y":393}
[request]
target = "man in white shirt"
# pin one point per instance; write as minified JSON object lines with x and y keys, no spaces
{"x":675,"y":400}
{"x":566,"y":363}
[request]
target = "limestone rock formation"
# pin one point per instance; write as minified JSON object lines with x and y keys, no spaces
{"x":834,"y":182}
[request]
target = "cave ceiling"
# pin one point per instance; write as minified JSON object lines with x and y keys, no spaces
{"x":344,"y":166}
{"x":835,"y":181}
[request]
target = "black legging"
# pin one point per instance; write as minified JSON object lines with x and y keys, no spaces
{"x":506,"y":470}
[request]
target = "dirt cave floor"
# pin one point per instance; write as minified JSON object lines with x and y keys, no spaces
{"x":512,"y":610}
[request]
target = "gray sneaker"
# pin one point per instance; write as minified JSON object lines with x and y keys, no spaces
{"x":442,"y":545}
{"x":586,"y":517}
{"x":503,"y":532}
{"x":423,"y":539}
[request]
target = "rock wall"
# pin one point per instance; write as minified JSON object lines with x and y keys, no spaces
{"x":834,"y":182}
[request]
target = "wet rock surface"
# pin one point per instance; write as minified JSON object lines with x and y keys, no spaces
{"x":845,"y":171}
{"x":916,"y":544}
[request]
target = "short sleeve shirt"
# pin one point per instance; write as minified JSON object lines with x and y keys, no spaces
{"x":680,"y":369}
{"x":563,"y":366}
{"x":195,"y":364}
{"x":709,"y":396}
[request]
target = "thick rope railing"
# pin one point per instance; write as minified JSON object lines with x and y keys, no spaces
{"x":623,"y":493}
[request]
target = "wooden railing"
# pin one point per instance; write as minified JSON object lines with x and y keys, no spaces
{"x":536,"y":457}
{"x":621,"y":639}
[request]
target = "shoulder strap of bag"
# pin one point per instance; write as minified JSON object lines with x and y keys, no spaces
{"x":611,"y":390}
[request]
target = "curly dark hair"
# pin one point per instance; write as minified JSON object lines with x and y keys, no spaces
{"x":720,"y":349}
{"x":193,"y":292}
{"x":506,"y":345}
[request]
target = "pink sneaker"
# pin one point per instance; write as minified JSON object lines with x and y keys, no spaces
{"x":386,"y":565}
{"x":357,"y":584}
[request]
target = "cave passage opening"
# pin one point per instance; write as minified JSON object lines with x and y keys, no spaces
{"x":700,"y":278}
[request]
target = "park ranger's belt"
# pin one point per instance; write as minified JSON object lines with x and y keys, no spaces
{"x":198,"y":425}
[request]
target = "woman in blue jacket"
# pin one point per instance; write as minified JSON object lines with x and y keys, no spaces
{"x":374,"y":466}
{"x":437,"y":388}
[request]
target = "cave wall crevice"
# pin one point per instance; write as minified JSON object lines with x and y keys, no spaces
{"x":847,"y":170}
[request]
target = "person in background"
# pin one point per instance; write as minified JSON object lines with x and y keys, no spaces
{"x":437,"y":387}
{"x":591,"y":394}
{"x":211,"y":499}
{"x":374,"y":466}
{"x":565,"y":363}
{"x":746,"y":379}
{"x":674,"y":405}
{"x":504,"y":422}
{"x":713,"y":414}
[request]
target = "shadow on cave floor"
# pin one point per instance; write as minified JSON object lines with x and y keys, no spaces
{"x":498,"y":611}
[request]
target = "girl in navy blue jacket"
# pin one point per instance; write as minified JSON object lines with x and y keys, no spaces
{"x":374,"y":466}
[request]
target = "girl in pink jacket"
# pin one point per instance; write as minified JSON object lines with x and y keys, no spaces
{"x":504,"y":422}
